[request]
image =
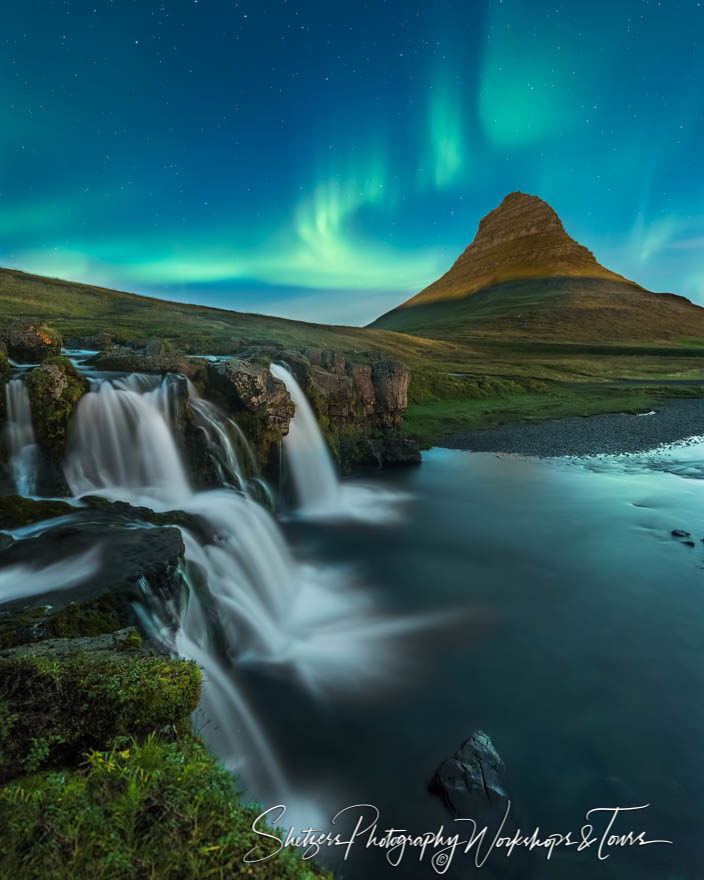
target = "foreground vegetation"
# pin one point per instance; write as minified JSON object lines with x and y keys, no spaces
{"x":160,"y":809}
{"x":104,"y":777}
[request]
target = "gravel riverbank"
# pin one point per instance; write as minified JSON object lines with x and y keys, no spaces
{"x":594,"y":435}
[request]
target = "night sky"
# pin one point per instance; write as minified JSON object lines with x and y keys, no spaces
{"x":322,"y":160}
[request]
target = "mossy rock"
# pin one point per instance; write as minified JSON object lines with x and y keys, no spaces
{"x":17,"y":511}
{"x":160,"y":809}
{"x":54,"y":390}
{"x":6,"y":372}
{"x":194,"y":523}
{"x":30,"y":342}
{"x":105,"y":614}
{"x":61,"y":697}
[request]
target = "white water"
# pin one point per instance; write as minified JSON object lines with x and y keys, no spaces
{"x":19,"y":437}
{"x":309,"y":622}
{"x":317,"y":487}
{"x":22,"y":581}
{"x":319,"y":493}
{"x":231,"y":454}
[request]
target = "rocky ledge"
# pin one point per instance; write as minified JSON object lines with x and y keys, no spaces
{"x":359,"y":404}
{"x":28,"y":342}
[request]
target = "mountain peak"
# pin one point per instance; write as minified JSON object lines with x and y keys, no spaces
{"x":521,"y":238}
{"x":517,"y":216}
{"x":524,"y":278}
{"x":523,"y":235}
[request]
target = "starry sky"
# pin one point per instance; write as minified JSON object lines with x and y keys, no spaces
{"x":324,"y":159}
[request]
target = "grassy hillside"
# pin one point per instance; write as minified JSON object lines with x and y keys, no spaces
{"x":569,"y":309}
{"x":446,"y":373}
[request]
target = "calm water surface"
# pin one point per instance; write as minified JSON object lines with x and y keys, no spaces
{"x":575,"y":641}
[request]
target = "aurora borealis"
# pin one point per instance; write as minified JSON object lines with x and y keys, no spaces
{"x":323,"y":160}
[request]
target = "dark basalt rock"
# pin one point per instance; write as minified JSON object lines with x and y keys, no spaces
{"x":17,"y":511}
{"x":131,"y":560}
{"x":29,"y":342}
{"x":471,"y":783}
{"x":400,"y":451}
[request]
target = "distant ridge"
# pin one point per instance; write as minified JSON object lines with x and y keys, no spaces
{"x":524,"y":277}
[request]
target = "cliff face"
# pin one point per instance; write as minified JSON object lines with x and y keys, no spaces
{"x":359,"y":406}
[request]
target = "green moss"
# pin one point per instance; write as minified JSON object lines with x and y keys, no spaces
{"x":5,"y":369}
{"x":86,"y":619}
{"x":17,"y":511}
{"x":51,"y":414}
{"x":68,"y":702}
{"x":158,"y":810}
{"x":105,"y":614}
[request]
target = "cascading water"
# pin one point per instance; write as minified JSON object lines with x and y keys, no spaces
{"x":228,"y":449}
{"x":19,"y":437}
{"x":319,"y":493}
{"x":315,"y":480}
{"x":269,"y":609}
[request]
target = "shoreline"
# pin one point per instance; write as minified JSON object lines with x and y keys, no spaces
{"x":610,"y":434}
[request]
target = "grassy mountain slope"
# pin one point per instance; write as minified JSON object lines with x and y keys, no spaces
{"x":523,"y":277}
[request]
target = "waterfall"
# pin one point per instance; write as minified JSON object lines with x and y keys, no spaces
{"x":268,"y":609}
{"x":319,"y":493}
{"x":19,"y":437}
{"x":307,"y":455}
{"x":228,"y":449}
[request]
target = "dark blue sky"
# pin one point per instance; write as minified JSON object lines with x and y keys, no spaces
{"x":323,"y":160}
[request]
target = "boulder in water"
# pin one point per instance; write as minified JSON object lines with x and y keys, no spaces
{"x":30,"y":342}
{"x":470,"y":783}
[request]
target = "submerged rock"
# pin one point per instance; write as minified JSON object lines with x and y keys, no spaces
{"x":471,"y":783}
{"x":30,"y":342}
